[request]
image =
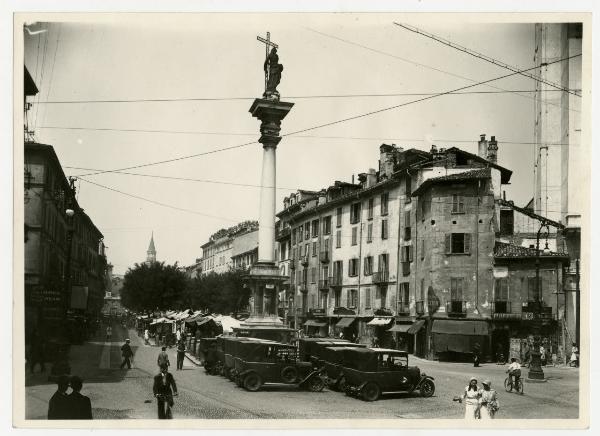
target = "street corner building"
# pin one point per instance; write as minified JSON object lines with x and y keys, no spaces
{"x":426,"y":254}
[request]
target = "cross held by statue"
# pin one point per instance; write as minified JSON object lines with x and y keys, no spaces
{"x":268,"y":46}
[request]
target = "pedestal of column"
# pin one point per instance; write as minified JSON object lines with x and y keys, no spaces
{"x":264,"y":278}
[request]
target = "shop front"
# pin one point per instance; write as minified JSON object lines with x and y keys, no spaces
{"x":378,"y":331}
{"x":346,"y":328}
{"x":403,"y":334}
{"x":460,"y":340}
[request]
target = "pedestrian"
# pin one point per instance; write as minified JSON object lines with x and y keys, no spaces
{"x":58,"y":406}
{"x":471,"y":397}
{"x":178,"y":335}
{"x":163,"y":358}
{"x":543,"y":355}
{"x":147,"y":337}
{"x":476,"y":352}
{"x":37,"y":351}
{"x":180,"y":353}
{"x":164,"y":390}
{"x":127,"y":354}
{"x":488,"y":401}
{"x":80,"y":406}
{"x":108,"y":333}
{"x":574,"y":355}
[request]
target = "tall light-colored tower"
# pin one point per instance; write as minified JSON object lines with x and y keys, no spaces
{"x":151,"y":252}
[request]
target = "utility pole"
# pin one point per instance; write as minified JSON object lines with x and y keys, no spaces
{"x":577,"y":305}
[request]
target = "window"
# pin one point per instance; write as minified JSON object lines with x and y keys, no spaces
{"x":501,"y":290}
{"x":294,"y":254}
{"x":404,"y":296}
{"x":407,"y":227}
{"x":406,"y":253}
{"x":355,"y":213}
{"x":458,"y":243}
{"x":354,"y":235}
{"x":307,"y":231}
{"x":353,"y":267}
{"x":314,"y":248}
{"x":338,"y":239}
{"x":367,"y":298}
{"x":315,"y":228}
{"x":384,"y":260}
{"x":458,"y":203}
{"x":352,"y":298}
{"x":304,"y":276}
{"x":369,"y":233}
{"x":384,"y":203}
{"x":408,"y":189}
{"x":313,"y":275}
{"x":300,"y":233}
{"x":507,"y":221}
{"x":422,"y":290}
{"x":306,"y":249}
{"x":422,"y":248}
{"x":456,"y":288}
{"x":327,"y":225}
{"x":325,"y":247}
{"x":338,"y":270}
{"x":339,"y":217}
{"x":313,"y":298}
{"x":384,"y":229}
{"x":325,"y":273}
{"x":368,"y":265}
{"x":370,"y":209}
{"x":337,"y":295}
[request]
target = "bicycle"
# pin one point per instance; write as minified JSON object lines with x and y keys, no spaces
{"x":517,"y":385}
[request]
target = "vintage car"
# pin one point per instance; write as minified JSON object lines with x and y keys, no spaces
{"x":370,"y":372}
{"x":264,"y":362}
{"x":309,"y":348}
{"x":207,"y":354}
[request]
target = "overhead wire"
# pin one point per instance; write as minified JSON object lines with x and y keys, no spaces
{"x":52,"y":72}
{"x":319,"y":126}
{"x":41,"y":81}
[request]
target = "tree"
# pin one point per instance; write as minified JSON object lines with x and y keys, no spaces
{"x":219,"y":293}
{"x":153,"y":286}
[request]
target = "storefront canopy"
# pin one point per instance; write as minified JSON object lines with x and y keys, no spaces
{"x":400,"y":328}
{"x":379,"y":321}
{"x":456,"y":327}
{"x":315,"y":323}
{"x":345,"y":322}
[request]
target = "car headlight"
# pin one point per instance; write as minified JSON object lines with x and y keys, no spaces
{"x":423,"y":374}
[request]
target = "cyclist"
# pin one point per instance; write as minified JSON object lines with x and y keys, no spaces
{"x":514,"y":371}
{"x":164,"y":390}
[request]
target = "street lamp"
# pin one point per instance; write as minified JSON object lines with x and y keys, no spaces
{"x":535,"y":368}
{"x":60,"y":365}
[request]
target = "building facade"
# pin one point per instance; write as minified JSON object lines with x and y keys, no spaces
{"x":220,"y":256}
{"x":48,"y":304}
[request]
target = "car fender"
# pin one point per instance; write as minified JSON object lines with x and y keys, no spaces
{"x":423,"y":377}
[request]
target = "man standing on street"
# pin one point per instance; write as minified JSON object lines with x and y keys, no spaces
{"x":180,"y":353}
{"x":178,"y":335}
{"x":163,"y":358}
{"x":58,"y":406}
{"x":164,"y":389}
{"x":80,"y":405}
{"x":127,"y":354}
{"x":108,"y":333}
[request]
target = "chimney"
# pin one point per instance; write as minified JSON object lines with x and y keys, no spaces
{"x":386,"y":160}
{"x":371,"y":177}
{"x":492,"y":152}
{"x":483,"y":147}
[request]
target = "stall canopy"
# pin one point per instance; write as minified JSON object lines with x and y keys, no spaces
{"x":345,"y":322}
{"x":458,"y":336}
{"x":379,"y":321}
{"x":228,"y":323}
{"x":314,"y":323}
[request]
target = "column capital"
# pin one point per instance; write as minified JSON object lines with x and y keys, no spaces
{"x":270,"y":113}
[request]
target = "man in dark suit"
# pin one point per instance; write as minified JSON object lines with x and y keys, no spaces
{"x":127,"y":354}
{"x":80,"y":405}
{"x":164,"y":389}
{"x":58,"y":407}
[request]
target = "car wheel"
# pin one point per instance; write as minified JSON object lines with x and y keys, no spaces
{"x":341,"y":384}
{"x":370,"y":392}
{"x":289,"y":374}
{"x":316,"y":384}
{"x":252,"y":382}
{"x":427,"y":388}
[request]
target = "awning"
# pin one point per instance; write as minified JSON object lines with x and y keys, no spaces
{"x":345,"y":322}
{"x":417,"y":325}
{"x":455,"y":327}
{"x":314,"y":323}
{"x":400,"y":328}
{"x":379,"y":321}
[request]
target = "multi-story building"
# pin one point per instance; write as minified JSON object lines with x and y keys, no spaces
{"x":244,"y":250}
{"x":411,"y":254}
{"x":218,"y":251}
{"x":112,"y":297}
{"x":46,"y":229}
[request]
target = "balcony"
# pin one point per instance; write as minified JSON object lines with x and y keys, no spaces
{"x":324,"y":285}
{"x":380,"y":277}
{"x":383,"y":311}
{"x":402,"y":308}
{"x":282,"y":234}
{"x":304,"y":260}
{"x":502,"y":309}
{"x":456,"y":308}
{"x":324,"y":256}
{"x":335,"y":281}
{"x":420,"y":307}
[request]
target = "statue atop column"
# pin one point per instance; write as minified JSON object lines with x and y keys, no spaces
{"x":273,"y":71}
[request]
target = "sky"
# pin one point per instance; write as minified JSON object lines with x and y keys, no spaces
{"x":216,"y":57}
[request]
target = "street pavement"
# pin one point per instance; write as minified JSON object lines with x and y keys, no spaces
{"x":118,"y":394}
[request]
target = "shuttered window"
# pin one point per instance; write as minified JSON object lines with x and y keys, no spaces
{"x":458,"y":203}
{"x":456,"y":288}
{"x":384,"y":229}
{"x":354,"y":235}
{"x":369,"y":233}
{"x":338,"y":238}
{"x":458,"y":243}
{"x":501,"y":290}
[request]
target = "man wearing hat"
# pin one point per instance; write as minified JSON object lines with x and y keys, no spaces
{"x":127,"y":354}
{"x":488,"y":401}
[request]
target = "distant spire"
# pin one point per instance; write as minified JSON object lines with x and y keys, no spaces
{"x":151,"y":253}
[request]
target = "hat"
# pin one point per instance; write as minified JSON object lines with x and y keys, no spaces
{"x":127,"y":340}
{"x":487,"y":382}
{"x":472,"y":379}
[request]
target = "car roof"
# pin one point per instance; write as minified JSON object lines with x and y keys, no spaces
{"x":389,"y":350}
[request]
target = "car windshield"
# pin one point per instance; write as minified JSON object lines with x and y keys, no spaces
{"x":392,"y":362}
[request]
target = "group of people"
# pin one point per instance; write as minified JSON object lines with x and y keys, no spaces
{"x":72,"y":405}
{"x":480,"y":403}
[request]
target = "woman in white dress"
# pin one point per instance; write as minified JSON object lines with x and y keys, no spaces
{"x":471,"y":398}
{"x":488,"y":402}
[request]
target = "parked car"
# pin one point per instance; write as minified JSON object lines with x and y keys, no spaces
{"x":309,"y":348}
{"x":371,"y":372}
{"x":271,"y":362}
{"x":208,"y":354}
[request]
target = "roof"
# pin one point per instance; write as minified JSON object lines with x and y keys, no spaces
{"x":482,"y":173}
{"x":151,"y":248}
{"x":503,"y":250}
{"x":529,"y":212}
{"x":506,"y":173}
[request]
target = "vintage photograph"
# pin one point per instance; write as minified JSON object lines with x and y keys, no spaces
{"x":298,"y":216}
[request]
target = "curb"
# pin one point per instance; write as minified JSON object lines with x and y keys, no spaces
{"x":192,"y":359}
